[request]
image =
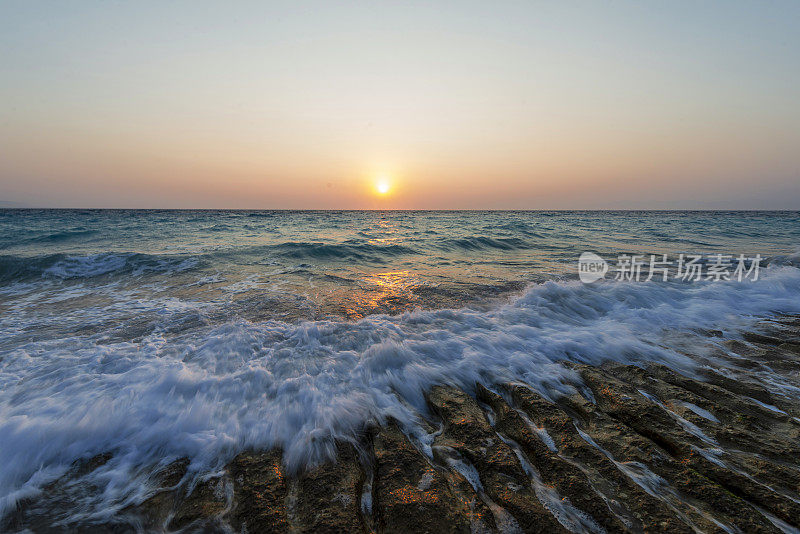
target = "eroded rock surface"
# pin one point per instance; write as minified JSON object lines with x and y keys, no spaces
{"x":410,"y":493}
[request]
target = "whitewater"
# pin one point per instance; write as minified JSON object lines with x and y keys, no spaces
{"x":155,"y":336}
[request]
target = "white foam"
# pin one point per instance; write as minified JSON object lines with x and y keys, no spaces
{"x":687,"y":425}
{"x":86,"y":266}
{"x":705,"y":414}
{"x":215,"y":391}
{"x":782,"y":525}
{"x":248,"y":284}
{"x":466,"y":470}
{"x":105,"y":263}
{"x":572,"y":518}
{"x":769,"y":407}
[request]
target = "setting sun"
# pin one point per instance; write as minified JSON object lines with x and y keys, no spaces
{"x":382,"y":186}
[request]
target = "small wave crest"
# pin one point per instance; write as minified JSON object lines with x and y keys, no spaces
{"x":67,"y":235}
{"x":50,"y":238}
{"x":64,"y":266}
{"x":364,"y":252}
{"x":484,"y":243}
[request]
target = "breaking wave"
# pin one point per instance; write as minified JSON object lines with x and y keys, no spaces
{"x":70,"y":266}
{"x":215,"y":391}
{"x":65,"y":266}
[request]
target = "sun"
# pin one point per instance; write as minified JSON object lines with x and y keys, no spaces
{"x":383,"y":185}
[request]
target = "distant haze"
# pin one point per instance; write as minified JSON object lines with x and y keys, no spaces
{"x":513,"y":105}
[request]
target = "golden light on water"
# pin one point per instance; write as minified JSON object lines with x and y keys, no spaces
{"x":381,"y":292}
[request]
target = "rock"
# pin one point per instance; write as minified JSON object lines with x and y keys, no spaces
{"x":259,"y":492}
{"x":154,"y":511}
{"x":642,"y":510}
{"x":467,"y":430}
{"x":50,"y":510}
{"x":327,"y":497}
{"x":411,"y":495}
{"x":203,"y":507}
{"x":567,"y":478}
{"x":739,"y":387}
{"x":648,"y":439}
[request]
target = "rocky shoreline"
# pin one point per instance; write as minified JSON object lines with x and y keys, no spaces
{"x":639,"y":449}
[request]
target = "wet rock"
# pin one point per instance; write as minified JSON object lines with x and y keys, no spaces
{"x":642,"y":510}
{"x":203,"y":507}
{"x":628,"y":405}
{"x":327,"y":497}
{"x":741,"y":411}
{"x":467,"y":430}
{"x":51,"y":510}
{"x":411,"y":495}
{"x":259,"y":492}
{"x":776,"y":475}
{"x":82,"y":468}
{"x":739,"y":386}
{"x":567,"y":478}
{"x":755,"y":337}
{"x":155,"y":510}
{"x":745,"y":487}
{"x":750,"y":430}
{"x":634,"y":449}
{"x":665,"y":452}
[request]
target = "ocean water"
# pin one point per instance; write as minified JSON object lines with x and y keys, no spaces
{"x":156,"y":335}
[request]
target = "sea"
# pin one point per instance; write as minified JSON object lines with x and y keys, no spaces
{"x":157,"y":335}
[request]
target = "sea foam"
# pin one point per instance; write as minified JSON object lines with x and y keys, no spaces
{"x":214,"y":391}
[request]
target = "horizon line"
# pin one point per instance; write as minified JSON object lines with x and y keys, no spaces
{"x":711,"y":210}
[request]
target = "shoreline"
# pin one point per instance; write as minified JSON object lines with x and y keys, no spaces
{"x":639,"y":449}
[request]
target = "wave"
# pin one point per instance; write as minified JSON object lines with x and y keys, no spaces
{"x":52,"y":238}
{"x":344,"y":251}
{"x":484,"y":243}
{"x":787,"y":260}
{"x":211,"y":393}
{"x":261,"y":215}
{"x":219,"y":227}
{"x":519,"y":227}
{"x":64,"y":266}
{"x":58,"y":237}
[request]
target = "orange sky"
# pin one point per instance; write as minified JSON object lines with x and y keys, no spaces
{"x":470,"y":106}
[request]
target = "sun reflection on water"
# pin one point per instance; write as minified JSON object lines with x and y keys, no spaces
{"x":382,"y":292}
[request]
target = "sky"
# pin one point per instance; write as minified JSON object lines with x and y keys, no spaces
{"x":448,"y":105}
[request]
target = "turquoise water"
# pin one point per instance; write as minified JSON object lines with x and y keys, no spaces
{"x":156,"y":335}
{"x":312,"y":265}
